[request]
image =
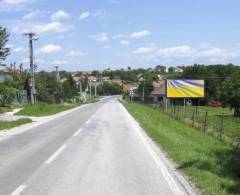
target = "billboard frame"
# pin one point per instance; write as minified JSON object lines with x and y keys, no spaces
{"x":185,"y":97}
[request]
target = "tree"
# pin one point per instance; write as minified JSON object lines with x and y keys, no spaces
{"x":69,"y":88}
{"x":146,"y":80}
{"x":171,"y":69}
{"x":229,"y":92}
{"x":160,"y":69}
{"x":7,"y":94}
{"x":4,"y":51}
{"x":110,"y":89}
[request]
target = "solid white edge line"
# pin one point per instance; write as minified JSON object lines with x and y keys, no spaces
{"x":159,"y":163}
{"x":168,"y":177}
{"x":19,"y":190}
{"x":77,"y":132}
{"x":55,"y":154}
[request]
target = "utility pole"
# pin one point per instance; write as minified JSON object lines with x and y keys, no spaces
{"x":143,"y":92}
{"x":57,"y":81}
{"x":57,"y":74}
{"x":80,"y":85}
{"x":90,"y":85}
{"x":32,"y":38}
{"x":96,"y":89}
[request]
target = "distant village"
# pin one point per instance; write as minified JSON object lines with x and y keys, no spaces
{"x":157,"y":92}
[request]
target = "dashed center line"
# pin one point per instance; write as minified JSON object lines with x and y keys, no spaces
{"x":56,"y":154}
{"x":88,"y":121}
{"x":77,"y":132}
{"x":19,"y":190}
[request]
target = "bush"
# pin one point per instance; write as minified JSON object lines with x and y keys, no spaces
{"x":7,"y":94}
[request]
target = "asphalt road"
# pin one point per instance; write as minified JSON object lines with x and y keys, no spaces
{"x":95,"y":150}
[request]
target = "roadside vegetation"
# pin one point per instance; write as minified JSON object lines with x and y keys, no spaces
{"x":11,"y":124}
{"x":211,"y":164}
{"x":44,"y":109}
{"x":5,"y":109}
{"x":217,"y":121}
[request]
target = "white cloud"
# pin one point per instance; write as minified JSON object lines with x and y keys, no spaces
{"x":143,"y":50}
{"x":19,"y":49}
{"x":100,"y":13}
{"x":59,"y":62}
{"x":50,"y":49}
{"x":119,"y":36}
{"x":16,"y":2}
{"x":9,"y":46}
{"x":124,"y":42}
{"x":32,"y":14}
{"x":8,"y":5}
{"x":60,"y":14}
{"x":74,"y":53}
{"x":52,"y":27}
{"x":140,"y":34}
{"x":84,"y":15}
{"x":102,"y":37}
{"x":187,"y":53}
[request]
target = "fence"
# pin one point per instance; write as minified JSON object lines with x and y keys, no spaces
{"x":216,"y":121}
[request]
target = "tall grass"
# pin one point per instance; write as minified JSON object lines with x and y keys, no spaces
{"x":211,"y":164}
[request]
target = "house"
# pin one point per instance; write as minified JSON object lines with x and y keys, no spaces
{"x":159,"y":92}
{"x":105,"y":79}
{"x":117,"y":81}
{"x":85,"y":73}
{"x":129,"y":87}
{"x":6,"y":74}
{"x":92,"y":78}
{"x":178,"y":69}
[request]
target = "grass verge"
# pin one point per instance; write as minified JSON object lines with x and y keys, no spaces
{"x":44,"y":109}
{"x":210,"y":164}
{"x":5,"y":109}
{"x":10,"y":124}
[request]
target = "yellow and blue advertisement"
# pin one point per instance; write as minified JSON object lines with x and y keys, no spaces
{"x":185,"y":88}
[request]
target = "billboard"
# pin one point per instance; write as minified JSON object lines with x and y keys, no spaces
{"x":185,"y":88}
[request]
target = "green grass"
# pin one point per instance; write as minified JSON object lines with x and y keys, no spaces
{"x":5,"y":109}
{"x":210,"y":164}
{"x":231,"y":125}
{"x":11,"y":124}
{"x":44,"y":109}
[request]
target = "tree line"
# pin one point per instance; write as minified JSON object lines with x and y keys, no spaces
{"x":221,"y":81}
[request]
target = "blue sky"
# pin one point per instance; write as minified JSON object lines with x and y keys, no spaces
{"x":97,"y":34}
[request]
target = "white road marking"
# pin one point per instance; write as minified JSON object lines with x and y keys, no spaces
{"x":160,"y":164}
{"x":77,"y":132}
{"x":19,"y":190}
{"x":56,"y":154}
{"x":169,"y":179}
{"x":88,"y":121}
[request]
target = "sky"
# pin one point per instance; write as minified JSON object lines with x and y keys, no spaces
{"x":99,"y":34}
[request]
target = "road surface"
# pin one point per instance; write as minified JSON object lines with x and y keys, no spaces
{"x":97,"y":149}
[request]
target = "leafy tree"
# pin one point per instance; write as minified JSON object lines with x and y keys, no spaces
{"x":7,"y":94}
{"x":69,"y":88}
{"x":171,"y":69}
{"x":229,"y":92}
{"x":110,"y":89}
{"x":3,"y":40}
{"x":45,"y":86}
{"x":160,"y":69}
{"x":146,"y":80}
